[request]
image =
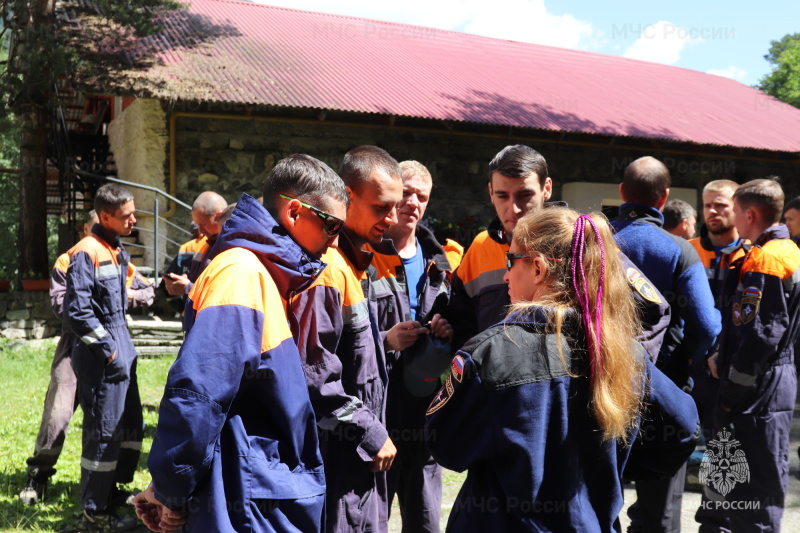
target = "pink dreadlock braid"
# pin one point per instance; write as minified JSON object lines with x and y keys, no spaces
{"x":591,"y":323}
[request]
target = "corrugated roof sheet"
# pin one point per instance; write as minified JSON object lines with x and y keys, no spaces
{"x":248,"y":53}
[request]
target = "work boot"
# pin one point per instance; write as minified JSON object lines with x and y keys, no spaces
{"x":33,"y":491}
{"x":107,"y":522}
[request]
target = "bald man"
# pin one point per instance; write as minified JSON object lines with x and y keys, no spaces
{"x":206,"y":213}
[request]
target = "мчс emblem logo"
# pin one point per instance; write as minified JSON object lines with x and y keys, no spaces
{"x":747,"y":310}
{"x":723,"y":465}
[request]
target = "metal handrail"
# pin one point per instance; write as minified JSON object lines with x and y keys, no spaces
{"x":155,"y":213}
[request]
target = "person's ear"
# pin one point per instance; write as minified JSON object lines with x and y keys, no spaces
{"x":548,"y":189}
{"x":622,"y":193}
{"x":663,"y":200}
{"x":538,"y":270}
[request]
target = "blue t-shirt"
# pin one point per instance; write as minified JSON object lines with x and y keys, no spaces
{"x":415,"y":278}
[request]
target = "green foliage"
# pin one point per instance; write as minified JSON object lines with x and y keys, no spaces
{"x":777,"y":47}
{"x":9,"y":196}
{"x":784,"y":80}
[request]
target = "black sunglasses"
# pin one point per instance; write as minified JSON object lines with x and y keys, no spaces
{"x":511,"y":257}
{"x":333,"y":226}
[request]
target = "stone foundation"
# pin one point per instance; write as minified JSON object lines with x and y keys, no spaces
{"x":27,"y":315}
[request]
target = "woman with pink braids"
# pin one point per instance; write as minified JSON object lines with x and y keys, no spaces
{"x":547,"y":408}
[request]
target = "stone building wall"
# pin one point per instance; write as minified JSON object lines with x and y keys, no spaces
{"x":27,"y":315}
{"x":234,"y":156}
{"x":138,"y":138}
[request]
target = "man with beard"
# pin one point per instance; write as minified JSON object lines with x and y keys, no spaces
{"x":718,"y":246}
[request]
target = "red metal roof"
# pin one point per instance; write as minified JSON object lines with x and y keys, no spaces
{"x":257,"y":54}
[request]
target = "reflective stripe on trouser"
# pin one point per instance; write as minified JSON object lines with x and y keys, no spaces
{"x":59,"y":405}
{"x":113,"y":428}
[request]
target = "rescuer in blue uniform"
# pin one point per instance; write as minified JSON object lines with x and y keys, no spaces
{"x":755,"y":366}
{"x":236,"y":447}
{"x":412,"y":287}
{"x":104,"y":359}
{"x":544,"y":409}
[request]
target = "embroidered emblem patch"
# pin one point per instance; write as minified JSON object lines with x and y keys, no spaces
{"x":457,"y":368}
{"x":751,"y":299}
{"x":441,"y":398}
{"x":642,"y":286}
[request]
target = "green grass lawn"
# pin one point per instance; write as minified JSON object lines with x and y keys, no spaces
{"x":25,"y":371}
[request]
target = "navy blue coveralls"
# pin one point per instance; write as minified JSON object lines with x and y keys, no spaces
{"x":415,"y":476}
{"x":94,"y":310}
{"x":758,"y":383}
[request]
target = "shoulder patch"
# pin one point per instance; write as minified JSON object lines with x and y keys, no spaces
{"x":642,"y":286}
{"x":745,"y":311}
{"x":442,"y":397}
{"x":457,"y":368}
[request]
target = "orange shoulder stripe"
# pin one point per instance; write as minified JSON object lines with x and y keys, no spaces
{"x":237,"y":277}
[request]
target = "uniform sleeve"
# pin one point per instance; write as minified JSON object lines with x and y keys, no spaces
{"x":318,"y":323}
{"x":460,"y":417}
{"x":201,"y":386}
{"x":762,"y":319}
{"x":702,"y":322}
{"x":81,"y":318}
{"x":668,"y":432}
{"x":143,"y":292}
{"x":460,"y":313}
{"x":58,"y":290}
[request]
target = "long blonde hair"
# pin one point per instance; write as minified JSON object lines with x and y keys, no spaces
{"x":616,"y":372}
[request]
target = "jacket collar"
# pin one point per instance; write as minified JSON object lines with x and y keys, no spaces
{"x":631,"y":211}
{"x":427,"y":240}
{"x":496,"y":231}
{"x":361,"y":259}
{"x":106,"y":236}
{"x":772,"y":233}
{"x":253,"y":228}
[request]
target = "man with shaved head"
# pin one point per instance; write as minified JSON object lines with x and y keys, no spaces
{"x":206,"y":212}
{"x":673,"y":266}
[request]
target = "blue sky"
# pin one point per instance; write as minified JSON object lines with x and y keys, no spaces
{"x":724,"y":38}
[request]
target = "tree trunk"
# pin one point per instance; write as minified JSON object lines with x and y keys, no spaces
{"x":33,"y":196}
{"x":32,"y":241}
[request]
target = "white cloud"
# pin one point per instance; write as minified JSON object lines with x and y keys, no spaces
{"x":663,"y":42}
{"x":733,"y":72}
{"x":527,"y":21}
{"x":516,"y":20}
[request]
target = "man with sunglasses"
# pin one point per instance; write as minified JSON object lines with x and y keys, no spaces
{"x":236,"y":446}
{"x":412,"y":286}
{"x":336,"y":326}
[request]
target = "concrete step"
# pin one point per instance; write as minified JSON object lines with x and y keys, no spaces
{"x":157,"y":342}
{"x":153,"y":351}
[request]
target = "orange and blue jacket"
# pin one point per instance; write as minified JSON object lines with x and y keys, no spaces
{"x":236,"y":423}
{"x":479,"y":294}
{"x":391,"y":285}
{"x":96,"y":301}
{"x":335,"y":323}
{"x":761,"y":325}
{"x":717,"y":264}
{"x":182,"y":262}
